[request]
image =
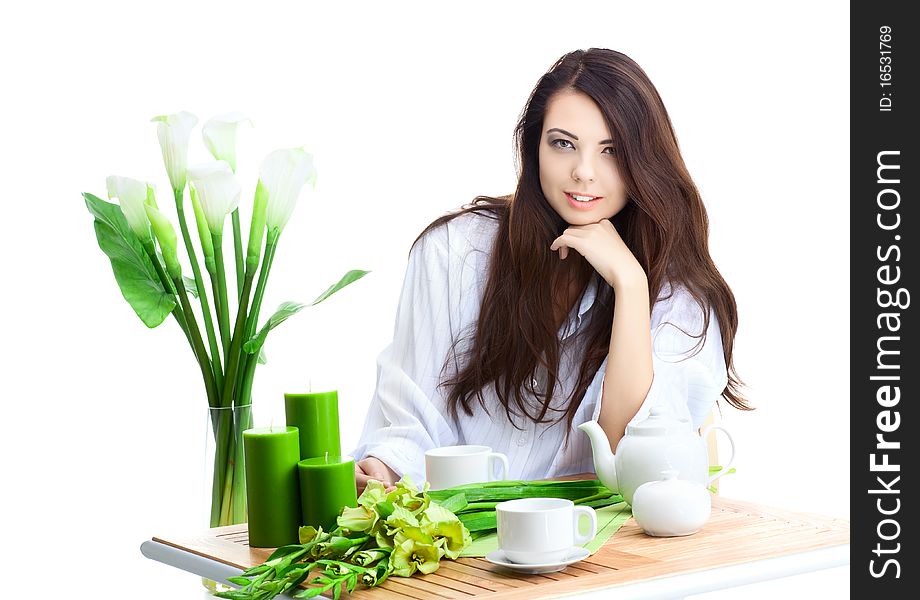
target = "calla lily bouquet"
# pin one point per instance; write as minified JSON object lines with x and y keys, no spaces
{"x":142,"y":246}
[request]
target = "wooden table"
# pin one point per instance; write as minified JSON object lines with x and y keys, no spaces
{"x":742,"y":543}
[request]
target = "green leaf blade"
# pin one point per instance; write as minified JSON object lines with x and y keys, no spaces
{"x":190,"y":286}
{"x":347,"y":279}
{"x":286,"y":310}
{"x":132,"y":268}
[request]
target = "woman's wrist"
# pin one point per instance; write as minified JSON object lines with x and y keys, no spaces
{"x":633,"y":282}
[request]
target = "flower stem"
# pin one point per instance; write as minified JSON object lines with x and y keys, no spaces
{"x":251,"y":360}
{"x":238,"y":250}
{"x":227,"y":483}
{"x":218,"y":369}
{"x":199,"y":282}
{"x":236,"y":343}
{"x":227,"y":393}
{"x":238,"y":509}
{"x":198,"y":345}
{"x":223,"y":310}
{"x":271,"y":244}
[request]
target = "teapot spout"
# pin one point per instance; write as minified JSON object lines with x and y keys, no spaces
{"x":604,"y":459}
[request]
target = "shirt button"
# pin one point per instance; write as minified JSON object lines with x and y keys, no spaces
{"x":522,"y":441}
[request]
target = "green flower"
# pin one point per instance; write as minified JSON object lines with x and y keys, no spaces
{"x":361,"y":518}
{"x":440,"y":523}
{"x":336,"y":546}
{"x":409,"y":496}
{"x":372,"y":494}
{"x":413,"y":550}
{"x":375,"y":576}
{"x":309,"y":533}
{"x":401,"y":519}
{"x":364,"y":558}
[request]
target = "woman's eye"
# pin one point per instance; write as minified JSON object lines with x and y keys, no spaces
{"x":611,"y":148}
{"x":558,"y":143}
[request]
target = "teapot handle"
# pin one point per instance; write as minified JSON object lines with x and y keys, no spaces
{"x":731,"y":460}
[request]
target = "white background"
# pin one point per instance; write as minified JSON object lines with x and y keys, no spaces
{"x":409,"y":112}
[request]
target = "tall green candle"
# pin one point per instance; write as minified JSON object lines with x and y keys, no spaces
{"x":272,"y":489}
{"x":316,"y":415}
{"x":327,"y":485}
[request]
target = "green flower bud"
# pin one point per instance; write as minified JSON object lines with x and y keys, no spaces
{"x":207,"y":246}
{"x":166,"y":236}
{"x":256,"y":228}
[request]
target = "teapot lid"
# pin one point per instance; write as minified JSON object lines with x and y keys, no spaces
{"x":660,"y":422}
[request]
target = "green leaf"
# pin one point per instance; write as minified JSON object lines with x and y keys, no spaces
{"x":190,"y":286}
{"x":132,"y":268}
{"x":239,"y":580}
{"x":352,"y":582}
{"x":281,"y":315}
{"x":455,"y":503}
{"x":262,"y":360}
{"x":349,"y":278}
{"x":310,"y":592}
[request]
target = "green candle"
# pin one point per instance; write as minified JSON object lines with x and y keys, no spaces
{"x":272,"y":491}
{"x":327,"y":485}
{"x":316,"y":415}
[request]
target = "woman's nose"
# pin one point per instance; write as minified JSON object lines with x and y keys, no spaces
{"x":584,"y":170}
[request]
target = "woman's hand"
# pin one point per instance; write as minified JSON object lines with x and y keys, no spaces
{"x":602,"y":246}
{"x":374,"y":468}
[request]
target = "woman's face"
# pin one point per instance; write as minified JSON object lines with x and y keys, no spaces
{"x":578,"y":169}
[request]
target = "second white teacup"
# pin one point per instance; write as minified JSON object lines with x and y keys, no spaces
{"x":536,"y":531}
{"x":450,"y":466}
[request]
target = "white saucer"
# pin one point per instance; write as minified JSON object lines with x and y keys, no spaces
{"x":577,"y":553}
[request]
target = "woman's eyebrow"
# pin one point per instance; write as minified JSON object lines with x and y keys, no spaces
{"x":573,"y":136}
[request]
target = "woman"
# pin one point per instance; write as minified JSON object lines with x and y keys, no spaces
{"x":588,"y":293}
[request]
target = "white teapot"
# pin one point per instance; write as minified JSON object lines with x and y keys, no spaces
{"x":661,"y":442}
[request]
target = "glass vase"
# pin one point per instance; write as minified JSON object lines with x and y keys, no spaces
{"x":224,"y":488}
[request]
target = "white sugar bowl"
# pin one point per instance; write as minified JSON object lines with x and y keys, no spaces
{"x":671,"y":506}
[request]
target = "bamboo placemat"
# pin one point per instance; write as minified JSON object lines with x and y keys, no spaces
{"x":737,"y":532}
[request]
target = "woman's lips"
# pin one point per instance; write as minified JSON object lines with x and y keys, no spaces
{"x":582,"y":205}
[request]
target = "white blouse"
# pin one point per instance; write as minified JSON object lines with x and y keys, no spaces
{"x":440,"y":299}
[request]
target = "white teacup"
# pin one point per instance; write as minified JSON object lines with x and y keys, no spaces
{"x":536,"y":531}
{"x":448,"y":466}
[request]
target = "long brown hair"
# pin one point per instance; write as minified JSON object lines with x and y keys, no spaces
{"x":664,"y":224}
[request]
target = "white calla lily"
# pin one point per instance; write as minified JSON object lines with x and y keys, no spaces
{"x":173,"y":132}
{"x":219,"y":135}
{"x":218,"y":192}
{"x":283,"y":175}
{"x":131,"y":195}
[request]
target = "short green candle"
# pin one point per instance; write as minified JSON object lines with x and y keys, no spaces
{"x":327,"y":485}
{"x":272,"y":491}
{"x":316,"y":415}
